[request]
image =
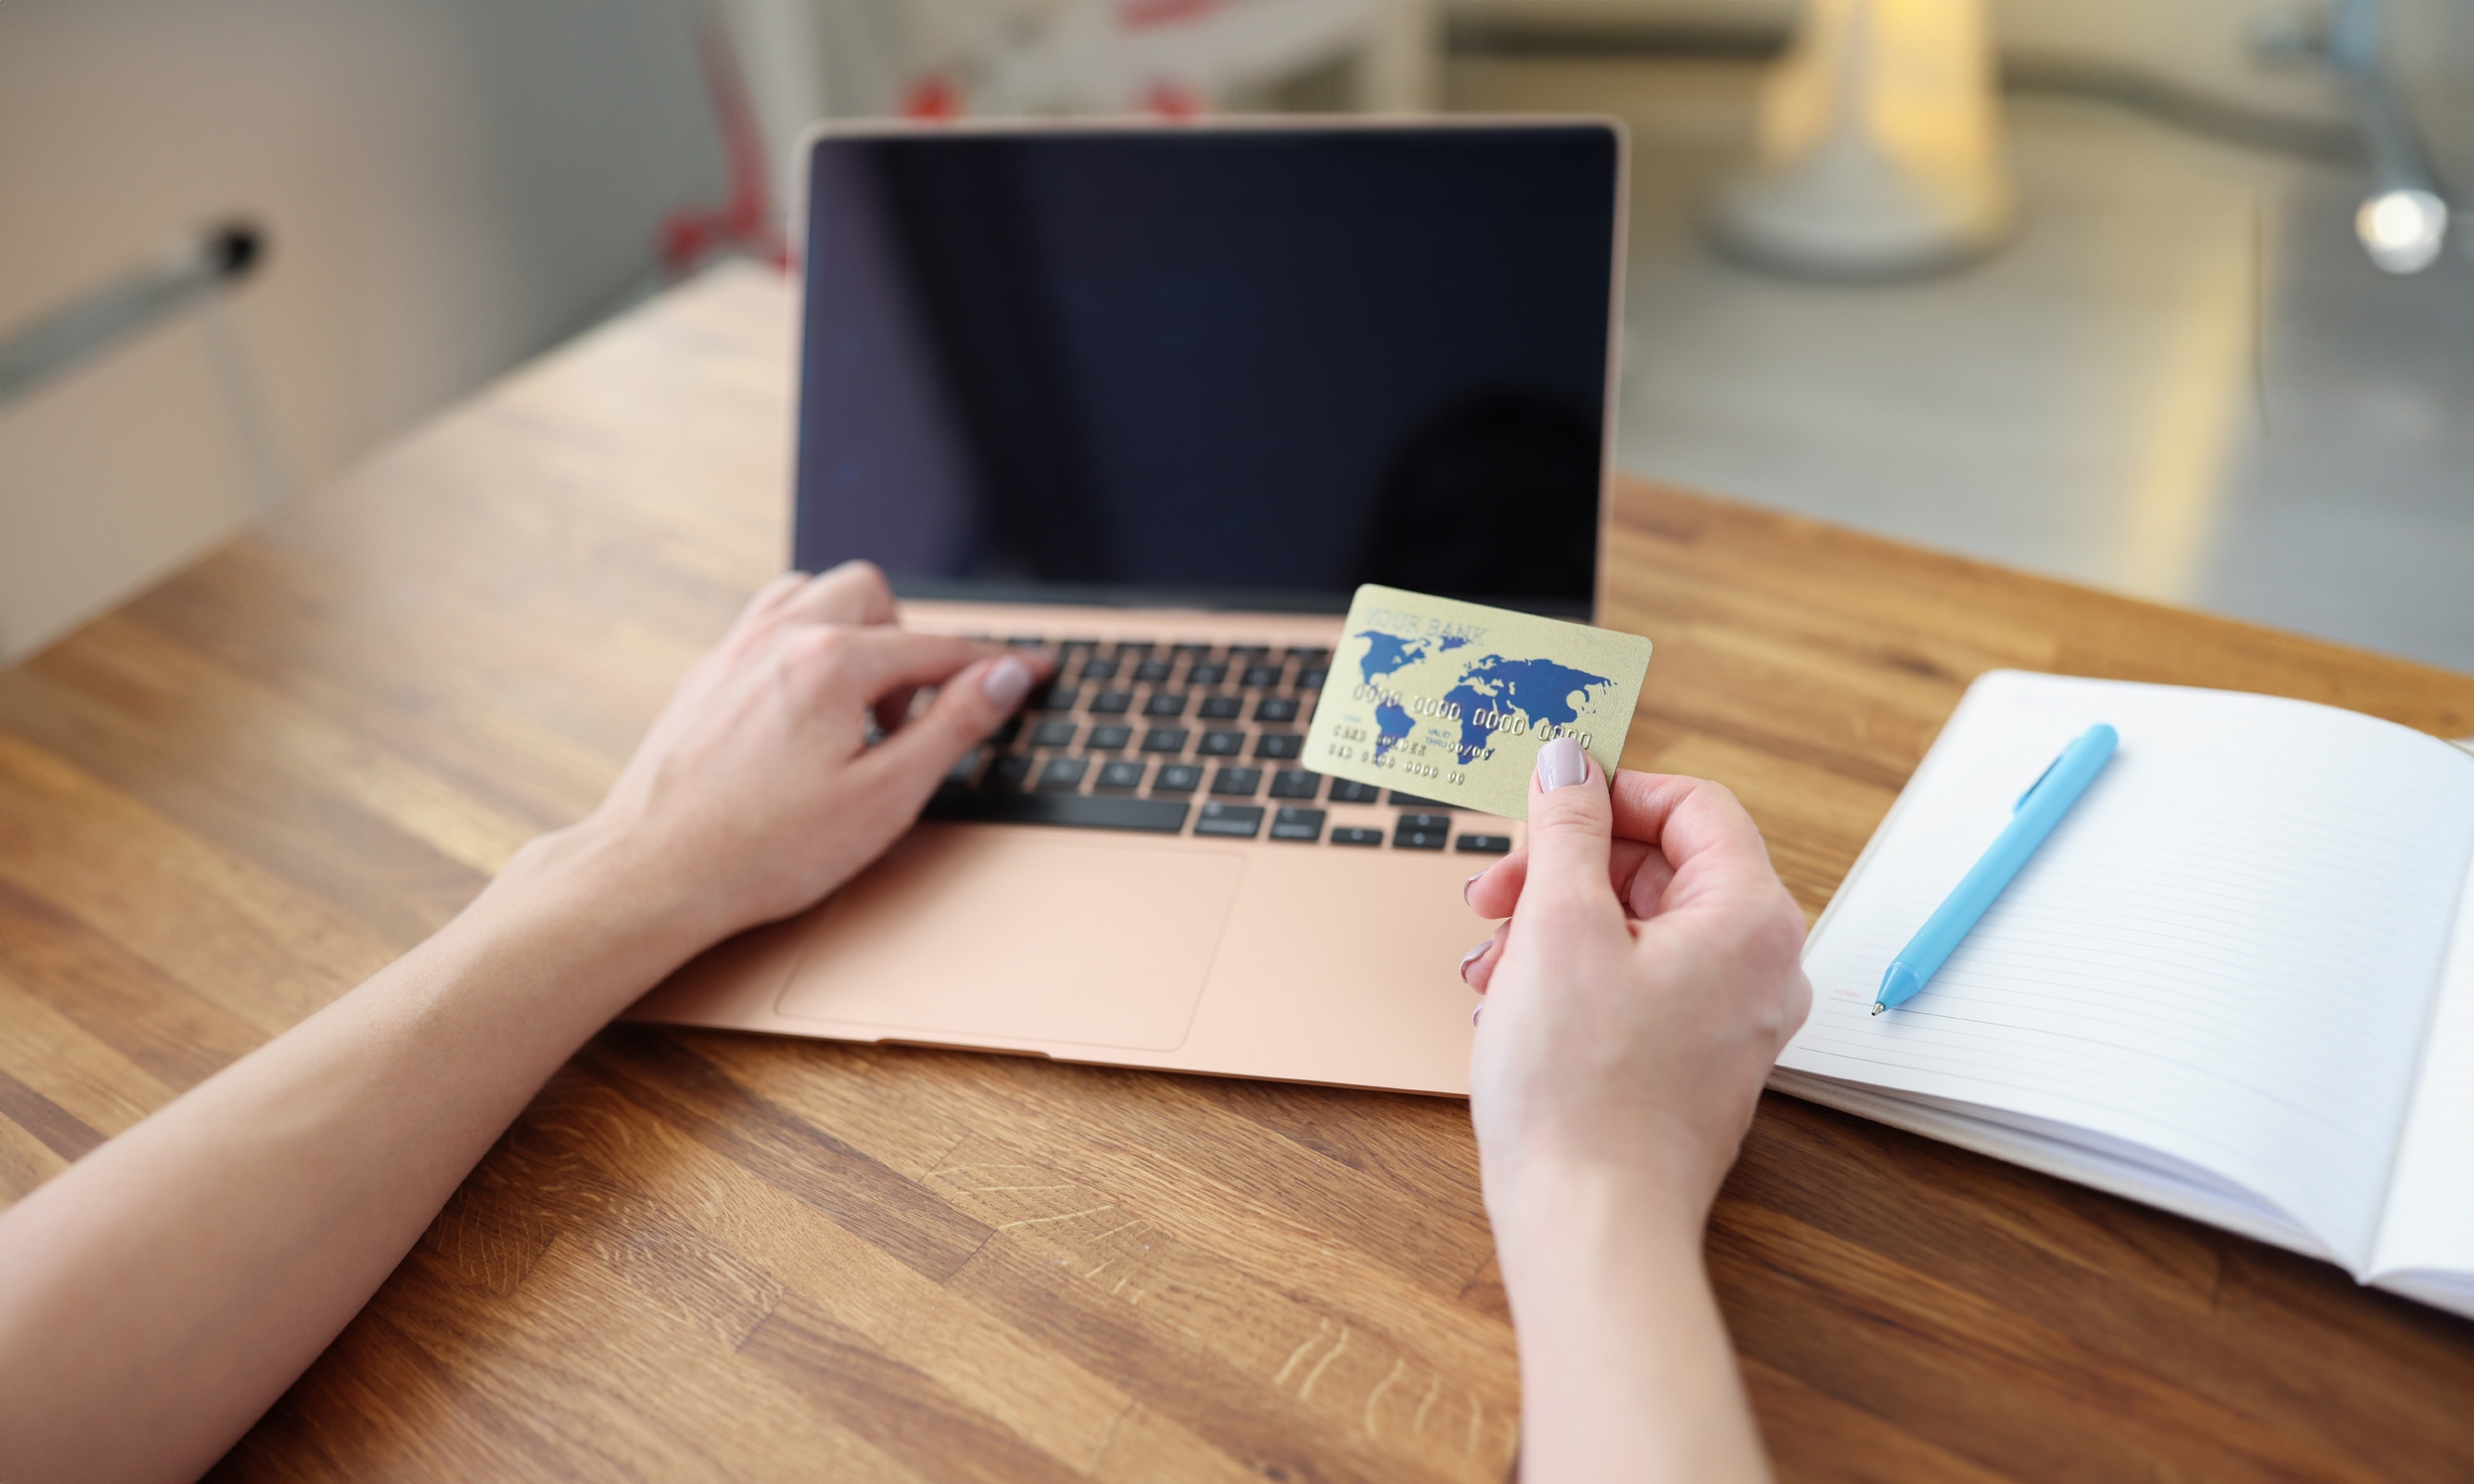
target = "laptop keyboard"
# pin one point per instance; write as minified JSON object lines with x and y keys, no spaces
{"x":1184,"y":738}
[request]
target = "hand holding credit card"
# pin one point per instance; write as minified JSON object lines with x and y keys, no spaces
{"x":1451,"y":700}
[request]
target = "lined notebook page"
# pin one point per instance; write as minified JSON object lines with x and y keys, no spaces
{"x":2428,"y":1227}
{"x":2225,"y":953}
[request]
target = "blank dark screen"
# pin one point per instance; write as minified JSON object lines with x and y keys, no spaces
{"x":1255,"y":366}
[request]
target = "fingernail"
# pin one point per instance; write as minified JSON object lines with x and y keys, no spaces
{"x":1562,"y":764}
{"x":1006,"y":683}
{"x":1473,"y":1014}
{"x":1465,"y":885}
{"x":1471,"y":956}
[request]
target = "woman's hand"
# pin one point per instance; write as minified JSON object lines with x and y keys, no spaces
{"x":160,"y":1293}
{"x":1636,"y":997}
{"x":756,"y":792}
{"x":1645,"y":981}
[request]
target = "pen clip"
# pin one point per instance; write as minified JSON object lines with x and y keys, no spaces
{"x":2039,"y":780}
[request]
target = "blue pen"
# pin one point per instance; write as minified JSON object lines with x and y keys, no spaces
{"x":2032,"y":818}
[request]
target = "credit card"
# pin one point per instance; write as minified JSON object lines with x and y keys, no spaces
{"x":1451,"y":700}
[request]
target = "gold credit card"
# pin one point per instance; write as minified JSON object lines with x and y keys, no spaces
{"x":1451,"y":700}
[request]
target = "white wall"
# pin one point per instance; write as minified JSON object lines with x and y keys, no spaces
{"x":450,"y":186}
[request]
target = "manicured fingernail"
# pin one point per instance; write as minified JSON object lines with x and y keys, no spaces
{"x":1562,"y":764}
{"x":1473,"y":1014}
{"x":1006,"y":683}
{"x":1471,"y":956}
{"x":1465,"y":885}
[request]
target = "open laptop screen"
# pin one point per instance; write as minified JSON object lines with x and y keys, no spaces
{"x":1251,"y":367}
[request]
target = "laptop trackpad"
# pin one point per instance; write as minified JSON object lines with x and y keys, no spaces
{"x":989,"y":932}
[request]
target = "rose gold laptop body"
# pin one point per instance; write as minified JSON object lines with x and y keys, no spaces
{"x":1317,"y":962}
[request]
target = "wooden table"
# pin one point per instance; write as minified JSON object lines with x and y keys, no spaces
{"x":713,"y":1255}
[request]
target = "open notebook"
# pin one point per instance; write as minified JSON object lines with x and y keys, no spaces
{"x":2236,"y":983}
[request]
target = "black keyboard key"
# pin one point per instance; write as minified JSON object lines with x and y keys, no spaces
{"x":1345,"y":792}
{"x":1165,"y":739}
{"x":1276,"y":709}
{"x":960,"y":772}
{"x":1005,"y":734}
{"x":1006,"y":774}
{"x":1057,"y":698}
{"x":1027,"y":641}
{"x":1070,"y":645}
{"x":1099,"y":670}
{"x":1133,"y":649}
{"x":1220,"y":744}
{"x":1240,"y":782}
{"x":1352,"y":835}
{"x":1298,"y":824}
{"x":1221,"y":707}
{"x":1164,"y":704}
{"x":1279,"y":746}
{"x":1091,"y":811}
{"x":1243,"y":821}
{"x":1238,"y":652}
{"x":1296,"y":782}
{"x":1260,"y":676}
{"x":1422,"y":832}
{"x":1310,"y":678}
{"x":1177,"y":778}
{"x":1483,"y":845}
{"x":1109,"y":738}
{"x":1154,"y":672}
{"x":1054,"y":734}
{"x":1062,"y":775}
{"x":1111,"y":702}
{"x":1191,"y":651}
{"x":1412,"y":802}
{"x":1207,"y":674}
{"x":1121,"y":775}
{"x":1313,"y":656}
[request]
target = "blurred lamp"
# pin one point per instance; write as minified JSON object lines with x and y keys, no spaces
{"x":2402,"y":228}
{"x":1881,"y":146}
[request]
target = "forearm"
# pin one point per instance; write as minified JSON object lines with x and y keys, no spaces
{"x":1626,"y":1371}
{"x":160,"y":1294}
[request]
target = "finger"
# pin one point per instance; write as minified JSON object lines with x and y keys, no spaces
{"x":854,"y":593}
{"x":879,"y":661}
{"x":976,"y":703}
{"x":1647,"y":804}
{"x":1571,"y":828}
{"x":1496,"y":890}
{"x":771,"y":597}
{"x":1713,"y":845}
{"x":1478,"y":965}
{"x":1642,"y":886}
{"x":893,"y":708}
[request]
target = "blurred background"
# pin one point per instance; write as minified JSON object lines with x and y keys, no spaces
{"x":2211,"y":340}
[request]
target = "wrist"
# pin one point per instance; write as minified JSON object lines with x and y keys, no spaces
{"x":594,"y":885}
{"x":1558,"y":1213}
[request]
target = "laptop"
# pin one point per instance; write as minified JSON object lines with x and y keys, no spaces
{"x":1157,"y":400}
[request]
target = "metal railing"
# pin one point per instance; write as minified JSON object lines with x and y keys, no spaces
{"x":186,"y":272}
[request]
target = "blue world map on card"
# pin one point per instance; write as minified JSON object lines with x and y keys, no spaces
{"x":1530,"y":690}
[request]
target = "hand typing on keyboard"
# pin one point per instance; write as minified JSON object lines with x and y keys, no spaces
{"x":758,"y":786}
{"x":1186,"y":738}
{"x":270,"y":1201}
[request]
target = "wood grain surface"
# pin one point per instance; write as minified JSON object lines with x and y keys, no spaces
{"x":703,"y":1256}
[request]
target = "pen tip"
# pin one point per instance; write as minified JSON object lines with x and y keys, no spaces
{"x":1878,"y":1007}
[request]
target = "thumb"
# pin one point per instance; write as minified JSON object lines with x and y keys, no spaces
{"x":974,"y":703}
{"x":1572,"y":823}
